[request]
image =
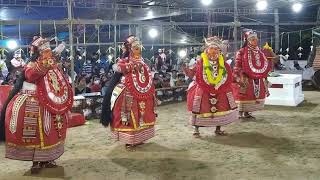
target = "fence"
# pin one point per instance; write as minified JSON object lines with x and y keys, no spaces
{"x":90,"y":104}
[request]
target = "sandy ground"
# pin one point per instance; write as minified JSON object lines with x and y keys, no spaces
{"x":282,"y":143}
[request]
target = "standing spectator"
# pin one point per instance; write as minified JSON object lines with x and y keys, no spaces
{"x":78,"y":64}
{"x":174,"y":78}
{"x":104,"y":86}
{"x":87,"y":68}
{"x":3,"y":68}
{"x":17,"y":63}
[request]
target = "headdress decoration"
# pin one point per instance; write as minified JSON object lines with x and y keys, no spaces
{"x":267,"y":47}
{"x":249,"y":33}
{"x":41,"y":43}
{"x":135,"y":42}
{"x":213,"y":41}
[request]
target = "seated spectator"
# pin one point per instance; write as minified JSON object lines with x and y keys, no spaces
{"x":181,"y":80}
{"x":81,"y":87}
{"x":166,"y":81}
{"x":174,"y":78}
{"x":95,"y":87}
{"x":157,"y":81}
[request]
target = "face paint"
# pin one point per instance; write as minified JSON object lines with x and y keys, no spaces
{"x":254,"y":42}
{"x":213,"y":52}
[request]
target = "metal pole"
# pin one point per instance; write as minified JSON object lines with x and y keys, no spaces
{"x":276,"y":30}
{"x":209,"y":23}
{"x":115,"y":31}
{"x":235,"y":30}
{"x":70,"y":19}
{"x":318,"y":16}
{"x":1,"y":31}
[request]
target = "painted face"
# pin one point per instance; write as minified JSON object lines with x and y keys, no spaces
{"x":136,"y":51}
{"x":46,"y":53}
{"x":253,"y":41}
{"x":213,"y":51}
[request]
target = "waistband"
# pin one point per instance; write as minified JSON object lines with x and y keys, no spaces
{"x":29,"y":88}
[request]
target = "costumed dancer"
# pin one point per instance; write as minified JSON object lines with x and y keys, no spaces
{"x":250,"y":76}
{"x":210,"y":97}
{"x":133,"y":99}
{"x":36,"y":110}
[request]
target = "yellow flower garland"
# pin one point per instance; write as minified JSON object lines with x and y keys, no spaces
{"x":206,"y":64}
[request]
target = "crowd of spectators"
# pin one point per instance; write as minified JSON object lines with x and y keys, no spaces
{"x":92,"y":72}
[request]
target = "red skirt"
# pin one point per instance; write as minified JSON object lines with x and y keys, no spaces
{"x":33,"y":133}
{"x":140,"y":115}
{"x":211,"y":109}
{"x":252,"y":97}
{"x":4,"y":93}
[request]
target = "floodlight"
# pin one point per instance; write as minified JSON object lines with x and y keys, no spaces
{"x":182,"y":53}
{"x":261,"y":5}
{"x":150,"y":14}
{"x":12,"y":44}
{"x":153,"y":33}
{"x":206,"y":2}
{"x":296,"y":7}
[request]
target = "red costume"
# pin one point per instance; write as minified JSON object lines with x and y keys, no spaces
{"x":210,"y":99}
{"x":133,"y":101}
{"x":36,"y":117}
{"x":250,"y":74}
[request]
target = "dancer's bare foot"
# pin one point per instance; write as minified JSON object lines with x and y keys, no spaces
{"x":220,"y":133}
{"x":196,"y":135}
{"x":130,"y":147}
{"x":248,"y":115}
{"x":36,"y":168}
{"x":49,"y":164}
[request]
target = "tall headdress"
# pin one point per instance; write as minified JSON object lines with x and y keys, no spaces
{"x":41,"y":43}
{"x":249,"y":33}
{"x":135,"y":42}
{"x":217,"y":42}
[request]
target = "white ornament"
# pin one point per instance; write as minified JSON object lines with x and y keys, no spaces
{"x":287,"y":49}
{"x":300,"y":48}
{"x":287,"y":56}
{"x":311,"y":47}
{"x":300,"y":54}
{"x":280,"y":50}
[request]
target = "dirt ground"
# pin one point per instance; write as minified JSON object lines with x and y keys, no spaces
{"x":282,"y":143}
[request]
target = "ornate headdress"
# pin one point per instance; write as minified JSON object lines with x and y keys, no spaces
{"x":41,"y":43}
{"x":217,"y":42}
{"x":136,"y":43}
{"x":213,"y":41}
{"x":249,"y":33}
